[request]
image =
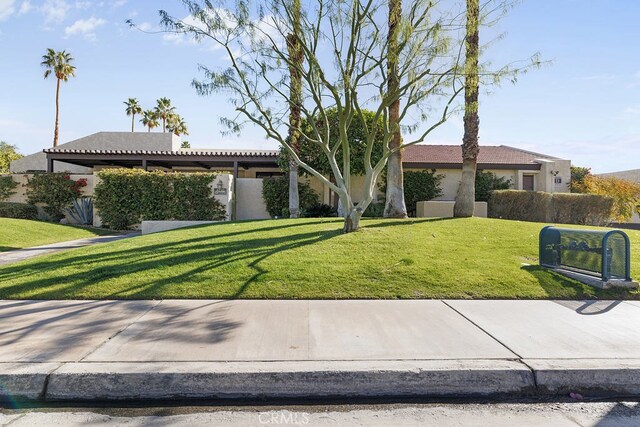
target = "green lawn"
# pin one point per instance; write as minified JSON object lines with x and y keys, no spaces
{"x":21,"y":233}
{"x":423,"y":258}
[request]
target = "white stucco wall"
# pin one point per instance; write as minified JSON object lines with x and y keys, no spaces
{"x":100,"y":141}
{"x":249,"y":201}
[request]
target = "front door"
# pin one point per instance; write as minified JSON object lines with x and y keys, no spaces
{"x":527,"y":182}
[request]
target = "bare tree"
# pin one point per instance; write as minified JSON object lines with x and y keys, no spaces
{"x":344,"y":47}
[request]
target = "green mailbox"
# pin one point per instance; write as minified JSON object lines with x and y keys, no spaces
{"x":596,"y":257}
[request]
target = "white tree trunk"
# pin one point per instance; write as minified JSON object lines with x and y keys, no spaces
{"x":395,"y":206}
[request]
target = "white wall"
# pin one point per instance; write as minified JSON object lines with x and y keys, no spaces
{"x":249,"y":201}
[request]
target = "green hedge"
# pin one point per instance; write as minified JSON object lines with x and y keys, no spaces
{"x":275,"y":192}
{"x":18,"y":210}
{"x":125,"y":197}
{"x":56,"y":191}
{"x":419,"y":186}
{"x":562,"y":208}
{"x":488,"y":182}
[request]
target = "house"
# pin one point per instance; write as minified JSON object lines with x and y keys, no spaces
{"x":526,"y":170}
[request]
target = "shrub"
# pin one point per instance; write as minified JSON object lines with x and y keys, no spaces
{"x":320,"y":211}
{"x":55,"y":190}
{"x":536,"y":206}
{"x":18,"y":210}
{"x":81,"y":211}
{"x":520,"y":205}
{"x":625,"y":194}
{"x":374,"y":210}
{"x":487,"y":182}
{"x":7,"y":187}
{"x":587,"y":209}
{"x":419,"y":186}
{"x":578,"y":174}
{"x":126,"y":197}
{"x":275,"y":192}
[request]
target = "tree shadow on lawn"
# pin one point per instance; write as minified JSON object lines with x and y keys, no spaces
{"x":203,"y":253}
{"x":558,"y":286}
{"x":151,"y":250}
{"x":394,"y":222}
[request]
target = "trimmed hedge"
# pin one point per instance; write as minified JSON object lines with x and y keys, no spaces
{"x":561,"y":208}
{"x":275,"y":192}
{"x":125,"y":197}
{"x":18,"y":210}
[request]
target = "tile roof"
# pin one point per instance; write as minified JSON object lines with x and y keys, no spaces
{"x":452,"y":154}
{"x":222,"y":153}
{"x":417,"y":154}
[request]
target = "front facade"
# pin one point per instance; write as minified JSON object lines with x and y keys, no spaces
{"x":525,"y":170}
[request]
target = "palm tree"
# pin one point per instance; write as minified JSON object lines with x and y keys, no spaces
{"x":163,"y":110}
{"x":177,"y":125}
{"x":465,"y":199}
{"x":295,"y":95}
{"x":133,"y":108}
{"x":149,"y":119}
{"x":394,"y":205}
{"x":59,"y":64}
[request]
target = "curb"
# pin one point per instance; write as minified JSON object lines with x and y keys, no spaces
{"x":249,"y":380}
{"x":86,"y":381}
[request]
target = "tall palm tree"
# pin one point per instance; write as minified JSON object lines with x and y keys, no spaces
{"x":295,"y":101}
{"x":465,"y":199}
{"x":58,"y":64}
{"x":163,"y":110}
{"x":133,"y":108}
{"x":394,"y":206}
{"x":149,"y":119}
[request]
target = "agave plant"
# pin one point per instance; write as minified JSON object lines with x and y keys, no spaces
{"x":81,"y":211}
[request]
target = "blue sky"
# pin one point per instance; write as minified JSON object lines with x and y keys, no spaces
{"x":585,"y":106}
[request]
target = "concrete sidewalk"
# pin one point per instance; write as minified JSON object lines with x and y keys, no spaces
{"x":97,"y":350}
{"x":10,"y":257}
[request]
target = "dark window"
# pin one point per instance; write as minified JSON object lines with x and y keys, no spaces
{"x":268,"y":174}
{"x":527,"y":182}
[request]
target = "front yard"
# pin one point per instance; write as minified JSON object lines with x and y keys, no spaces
{"x":21,"y":233}
{"x":308,"y":259}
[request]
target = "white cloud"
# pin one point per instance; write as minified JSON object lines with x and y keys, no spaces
{"x":85,"y":27}
{"x":6,"y":9}
{"x":600,"y":77}
{"x":634,"y":109}
{"x":25,"y":7}
{"x":55,"y":10}
{"x":145,"y":26}
{"x":119,"y":3}
{"x":82,"y":4}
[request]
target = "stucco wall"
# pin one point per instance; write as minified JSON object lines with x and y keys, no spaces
{"x":249,"y":202}
{"x":100,"y":141}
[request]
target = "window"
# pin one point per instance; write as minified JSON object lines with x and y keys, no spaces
{"x":268,"y":174}
{"x":527,"y":182}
